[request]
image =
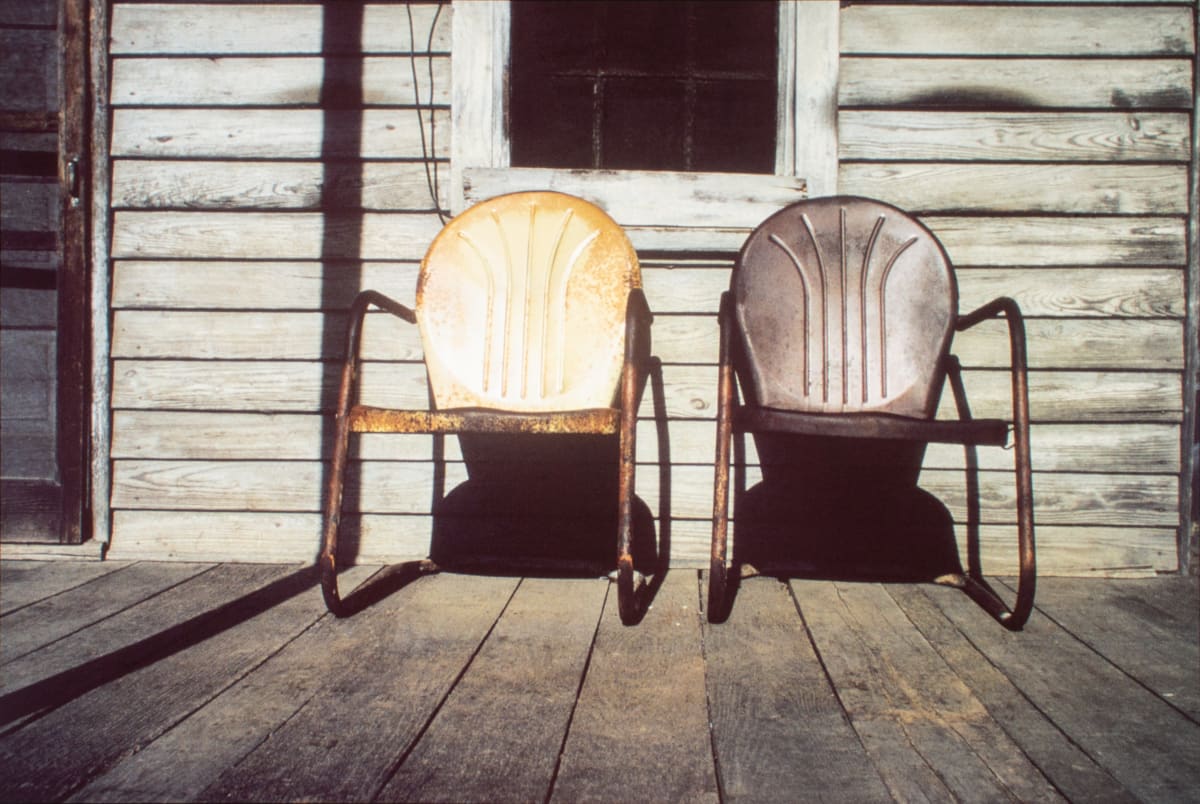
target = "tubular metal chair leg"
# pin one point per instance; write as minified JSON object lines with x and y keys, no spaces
{"x":626,"y":577}
{"x":337,"y":470}
{"x":974,"y":584}
{"x":627,"y":586}
{"x":333,"y":518}
{"x":1028,"y":561}
{"x":718,"y":573}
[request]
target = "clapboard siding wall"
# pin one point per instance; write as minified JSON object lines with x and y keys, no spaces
{"x":1047,"y":145}
{"x":268,"y":162}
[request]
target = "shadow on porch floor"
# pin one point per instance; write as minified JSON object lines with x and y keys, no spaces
{"x":153,"y":681}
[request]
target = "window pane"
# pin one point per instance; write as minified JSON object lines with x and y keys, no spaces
{"x":735,"y":127}
{"x":554,"y":126}
{"x":744,"y":42}
{"x":550,"y":37}
{"x":645,"y":37}
{"x":675,"y":85}
{"x":643,"y":125}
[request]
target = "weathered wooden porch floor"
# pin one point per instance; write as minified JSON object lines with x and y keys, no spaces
{"x":150,"y":681}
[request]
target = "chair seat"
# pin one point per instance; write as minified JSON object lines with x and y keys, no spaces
{"x":991,"y":432}
{"x":365,"y":419}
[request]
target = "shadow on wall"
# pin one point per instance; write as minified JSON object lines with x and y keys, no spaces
{"x":541,"y":505}
{"x":341,"y":100}
{"x":844,"y":509}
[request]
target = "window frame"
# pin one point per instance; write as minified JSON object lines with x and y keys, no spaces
{"x":806,"y":118}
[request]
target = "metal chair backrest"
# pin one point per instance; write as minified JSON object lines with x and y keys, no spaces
{"x":845,"y":305}
{"x":521,"y":305}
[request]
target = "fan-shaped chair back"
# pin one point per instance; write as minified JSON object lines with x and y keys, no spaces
{"x":521,"y":305}
{"x":845,"y":305}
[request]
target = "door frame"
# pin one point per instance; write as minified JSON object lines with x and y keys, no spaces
{"x":74,"y":308}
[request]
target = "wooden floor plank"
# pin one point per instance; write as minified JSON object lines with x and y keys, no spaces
{"x":408,"y":651}
{"x":1148,"y":628}
{"x":886,"y":672}
{"x":779,"y":731}
{"x":185,"y":760}
{"x":199,"y":682}
{"x":1147,"y":745}
{"x":26,"y":582}
{"x":640,"y":730}
{"x":53,"y":618}
{"x":233,"y":619}
{"x":854,"y":674}
{"x":1075,"y":774}
{"x":206,"y":589}
{"x":499,"y":733}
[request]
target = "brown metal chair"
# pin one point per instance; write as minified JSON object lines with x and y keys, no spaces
{"x":533,"y":321}
{"x":838,"y":323}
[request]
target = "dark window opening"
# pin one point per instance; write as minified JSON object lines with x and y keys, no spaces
{"x":676,"y":85}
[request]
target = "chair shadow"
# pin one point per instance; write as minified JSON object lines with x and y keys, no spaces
{"x":533,"y":505}
{"x":839,"y":509}
{"x":544,"y":505}
{"x":547,"y":506}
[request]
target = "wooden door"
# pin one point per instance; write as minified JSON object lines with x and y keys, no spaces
{"x":43,"y":270}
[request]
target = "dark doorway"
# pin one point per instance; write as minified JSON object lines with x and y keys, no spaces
{"x":44,"y":307}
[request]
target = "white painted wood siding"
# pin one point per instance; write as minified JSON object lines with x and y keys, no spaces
{"x":1021,"y":135}
{"x":1047,"y":145}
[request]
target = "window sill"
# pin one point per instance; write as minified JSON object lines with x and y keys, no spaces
{"x":660,"y":210}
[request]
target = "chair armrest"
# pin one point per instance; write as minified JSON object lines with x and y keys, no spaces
{"x":358,"y":311}
{"x":1016,"y":617}
{"x":1001,"y":306}
{"x":1006,"y":307}
{"x":638,"y":319}
{"x":726,"y":323}
{"x":374,"y":297}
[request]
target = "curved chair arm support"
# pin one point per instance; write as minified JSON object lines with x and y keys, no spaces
{"x":341,"y":442}
{"x":1015,"y":618}
{"x":638,"y":319}
{"x":633,"y":382}
{"x":358,"y":311}
{"x":718,"y":567}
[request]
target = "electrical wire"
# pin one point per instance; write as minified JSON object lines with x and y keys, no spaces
{"x":428,"y":150}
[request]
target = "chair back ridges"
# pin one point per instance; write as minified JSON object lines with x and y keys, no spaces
{"x":521,"y":305}
{"x":845,"y":304}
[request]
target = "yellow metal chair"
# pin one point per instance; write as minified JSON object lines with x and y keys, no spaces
{"x":838,"y":325}
{"x":533,"y":321}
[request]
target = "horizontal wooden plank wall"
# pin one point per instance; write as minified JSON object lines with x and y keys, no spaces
{"x":1046,"y":144}
{"x":261,"y":153}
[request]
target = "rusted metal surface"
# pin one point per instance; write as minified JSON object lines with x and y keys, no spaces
{"x":718,"y":572}
{"x":992,"y":432}
{"x":341,"y":439}
{"x":633,"y":383}
{"x":365,"y":419}
{"x":866,"y":297}
{"x":839,"y":323}
{"x":503,"y":354}
{"x":1026,"y":549}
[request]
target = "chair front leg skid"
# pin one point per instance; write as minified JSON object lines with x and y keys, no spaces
{"x":341,"y":439}
{"x":718,"y":568}
{"x":633,"y":380}
{"x":1015,"y":618}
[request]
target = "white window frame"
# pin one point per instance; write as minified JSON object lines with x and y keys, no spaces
{"x":806,"y":139}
